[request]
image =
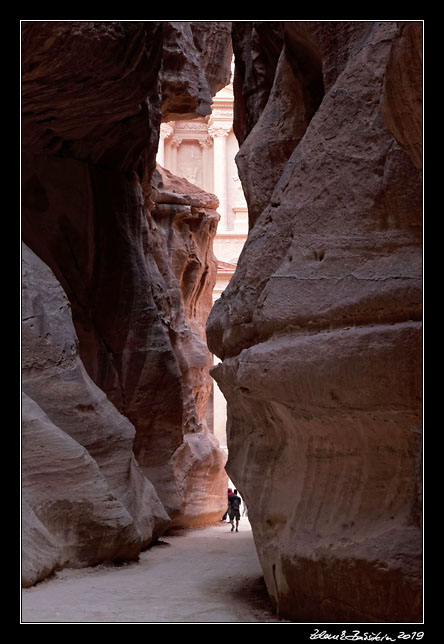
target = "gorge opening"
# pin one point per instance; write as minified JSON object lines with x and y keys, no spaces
{"x":138,"y":277}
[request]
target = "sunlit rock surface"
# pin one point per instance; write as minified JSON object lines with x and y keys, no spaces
{"x":189,"y":470}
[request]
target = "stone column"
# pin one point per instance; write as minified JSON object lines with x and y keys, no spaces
{"x":220,"y":135}
{"x":175,"y":144}
{"x":207,"y":164}
{"x":165,"y":131}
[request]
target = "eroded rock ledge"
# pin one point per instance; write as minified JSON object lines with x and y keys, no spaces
{"x":319,"y":330}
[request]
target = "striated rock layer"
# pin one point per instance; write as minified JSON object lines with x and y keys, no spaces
{"x":319,"y":330}
{"x":86,"y":499}
{"x":173,"y":445}
{"x":135,"y":269}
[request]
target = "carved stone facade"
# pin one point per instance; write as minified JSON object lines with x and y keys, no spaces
{"x":203,"y":151}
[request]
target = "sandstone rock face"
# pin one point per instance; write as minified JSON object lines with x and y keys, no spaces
{"x":86,"y":497}
{"x":189,"y":471}
{"x":319,"y":330}
{"x":196,"y":64}
{"x":280,"y":89}
{"x":92,"y":105}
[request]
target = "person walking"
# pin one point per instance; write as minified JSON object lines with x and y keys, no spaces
{"x":230,"y":494}
{"x":234,"y":510}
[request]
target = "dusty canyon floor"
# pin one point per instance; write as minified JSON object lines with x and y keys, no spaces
{"x":195,"y":576}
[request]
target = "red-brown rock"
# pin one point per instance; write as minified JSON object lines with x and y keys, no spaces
{"x":92,"y":107}
{"x":319,"y":330}
{"x":86,"y":497}
{"x":196,"y":64}
{"x":189,"y":475}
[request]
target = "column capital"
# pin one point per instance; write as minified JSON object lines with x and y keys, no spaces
{"x":219,"y":130}
{"x":165,"y":130}
{"x":206,"y":143}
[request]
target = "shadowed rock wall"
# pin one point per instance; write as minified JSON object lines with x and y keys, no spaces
{"x":93,"y":96}
{"x":319,"y":330}
{"x":86,"y":499}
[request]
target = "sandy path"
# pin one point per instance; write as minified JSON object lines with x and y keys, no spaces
{"x":199,"y":576}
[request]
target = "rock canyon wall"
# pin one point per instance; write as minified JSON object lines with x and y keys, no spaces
{"x":319,"y":330}
{"x":117,"y":278}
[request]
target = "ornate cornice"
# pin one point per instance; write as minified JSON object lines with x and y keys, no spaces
{"x":224,"y":109}
{"x":190,"y":125}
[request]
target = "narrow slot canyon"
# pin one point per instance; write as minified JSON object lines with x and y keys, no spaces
{"x":221,"y":289}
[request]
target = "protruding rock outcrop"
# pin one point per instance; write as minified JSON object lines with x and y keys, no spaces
{"x":319,"y":330}
{"x":196,"y":64}
{"x":173,"y":445}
